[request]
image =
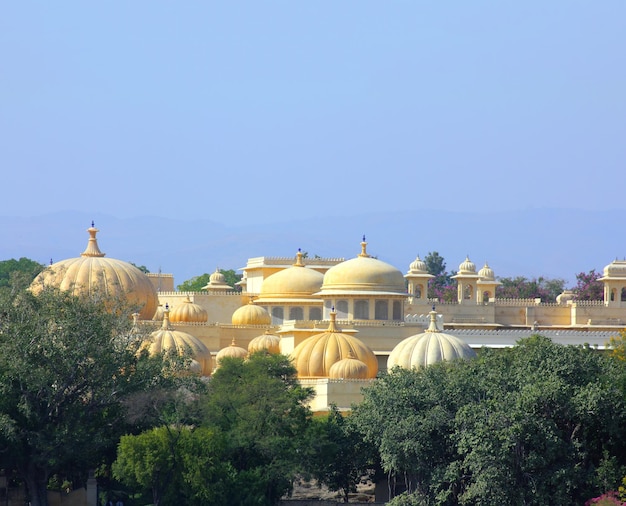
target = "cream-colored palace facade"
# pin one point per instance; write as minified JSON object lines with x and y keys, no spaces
{"x":343,"y":321}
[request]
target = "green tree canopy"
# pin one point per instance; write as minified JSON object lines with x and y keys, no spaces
{"x":66,"y":366}
{"x":19,"y":273}
{"x":520,"y":287}
{"x":539,"y":423}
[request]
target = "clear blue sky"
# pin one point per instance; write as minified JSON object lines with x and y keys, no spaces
{"x":263,"y":111}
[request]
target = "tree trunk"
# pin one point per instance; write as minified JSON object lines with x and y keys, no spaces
{"x":37,"y":482}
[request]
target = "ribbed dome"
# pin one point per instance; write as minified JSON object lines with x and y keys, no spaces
{"x":418,"y":266}
{"x":363,"y":274}
{"x":188,"y":311}
{"x":168,"y":339}
{"x":616,"y":269}
{"x":314,"y":356}
{"x":251,"y":314}
{"x":296,"y":281}
{"x":266,"y":341}
{"x":349,"y":368}
{"x":467,"y":267}
{"x":428,"y":348}
{"x":91,"y":274}
{"x":486,"y":273}
{"x":232,"y":351}
{"x":217,"y":281}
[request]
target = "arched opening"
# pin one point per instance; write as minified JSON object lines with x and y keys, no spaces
{"x":381,"y":310}
{"x":296,"y":313}
{"x":278,"y":315}
{"x":467,"y":292}
{"x":361,"y":309}
{"x":486,"y":296}
{"x":315,"y":313}
{"x":342,"y":309}
{"x":612,"y":294}
{"x":397,"y":310}
{"x":623,"y":294}
{"x":418,"y":291}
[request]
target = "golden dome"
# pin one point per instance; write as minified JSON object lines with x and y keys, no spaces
{"x":251,"y":314}
{"x":363,"y":274}
{"x":467,"y":267}
{"x":189,"y":312}
{"x":486,"y":273}
{"x":232,"y":351}
{"x":428,"y":348}
{"x":314,"y":356}
{"x":349,"y":368}
{"x":266,"y":341}
{"x":91,"y":273}
{"x":418,"y":266}
{"x":168,"y":339}
{"x":295,"y":282}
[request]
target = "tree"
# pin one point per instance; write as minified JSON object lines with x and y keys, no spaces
{"x":588,"y":287}
{"x":339,"y":458}
{"x":196,"y":283}
{"x":177,"y":465}
{"x":442,"y":286}
{"x":539,"y":423}
{"x":259,"y":406}
{"x":66,"y":365}
{"x":18,"y":273}
{"x":522,"y":288}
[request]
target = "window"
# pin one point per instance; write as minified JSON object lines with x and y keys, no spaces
{"x":277,"y":315}
{"x":315,"y":313}
{"x":381,"y":310}
{"x":397,"y":310}
{"x":361,"y":309}
{"x":296,"y":313}
{"x":342,"y":309}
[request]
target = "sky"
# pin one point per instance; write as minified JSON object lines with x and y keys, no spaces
{"x":261,"y":112}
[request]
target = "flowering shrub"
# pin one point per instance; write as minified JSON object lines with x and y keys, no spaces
{"x":607,"y":499}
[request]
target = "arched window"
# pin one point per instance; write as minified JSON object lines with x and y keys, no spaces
{"x":342,"y":309}
{"x":397,"y":310}
{"x":277,"y":315}
{"x":486,"y":296}
{"x":381,"y":310}
{"x":418,"y":291}
{"x":612,"y":294}
{"x":361,"y":309}
{"x":623,"y":294}
{"x":296,"y":313}
{"x":315,"y":313}
{"x":467,"y":295}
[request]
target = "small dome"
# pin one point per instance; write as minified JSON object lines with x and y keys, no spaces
{"x":467,"y":267}
{"x":251,"y":314}
{"x":217,"y":281}
{"x":169,"y":339}
{"x":91,"y":274}
{"x":232,"y":351}
{"x":266,"y":341}
{"x":418,"y":266}
{"x":486,"y":273}
{"x":189,"y":312}
{"x":296,"y":281}
{"x":349,"y":368}
{"x":314,"y":356}
{"x":564,"y":297}
{"x":428,"y":348}
{"x":363,"y":274}
{"x":616,"y":269}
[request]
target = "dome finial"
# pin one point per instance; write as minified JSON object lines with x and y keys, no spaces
{"x":332,"y":326}
{"x":432,"y":327}
{"x":92,"y":249}
{"x":166,"y":318}
{"x":363,"y":248}
{"x":299,"y":262}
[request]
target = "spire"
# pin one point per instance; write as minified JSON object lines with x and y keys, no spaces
{"x":166,"y":318}
{"x":332,"y":326}
{"x":363,"y":248}
{"x":299,"y":262}
{"x":432,"y":327}
{"x":92,"y":249}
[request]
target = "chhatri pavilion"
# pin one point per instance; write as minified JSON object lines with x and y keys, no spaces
{"x":341,"y":321}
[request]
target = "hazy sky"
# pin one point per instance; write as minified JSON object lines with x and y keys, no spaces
{"x":264,"y":111}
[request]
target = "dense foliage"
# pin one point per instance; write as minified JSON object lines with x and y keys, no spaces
{"x":18,"y":273}
{"x":588,"y":286}
{"x":539,"y":423}
{"x":520,"y":287}
{"x":196,"y":283}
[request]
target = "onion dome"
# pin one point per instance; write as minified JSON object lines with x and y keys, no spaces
{"x":486,"y":273}
{"x":428,"y":348}
{"x":363,"y":275}
{"x":168,"y":339}
{"x":467,"y":267}
{"x":217,"y":281}
{"x":349,"y":368}
{"x":615,"y":270}
{"x":92,"y":274}
{"x":295,"y":282}
{"x":418,"y":266}
{"x":189,"y":312}
{"x":565,"y":297}
{"x":232,"y":351}
{"x":314,"y":356}
{"x":251,"y":314}
{"x":266,"y":341}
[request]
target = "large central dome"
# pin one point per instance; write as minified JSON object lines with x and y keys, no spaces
{"x":363,"y":274}
{"x":91,"y":273}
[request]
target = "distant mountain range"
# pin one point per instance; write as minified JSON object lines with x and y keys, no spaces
{"x":554,"y":243}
